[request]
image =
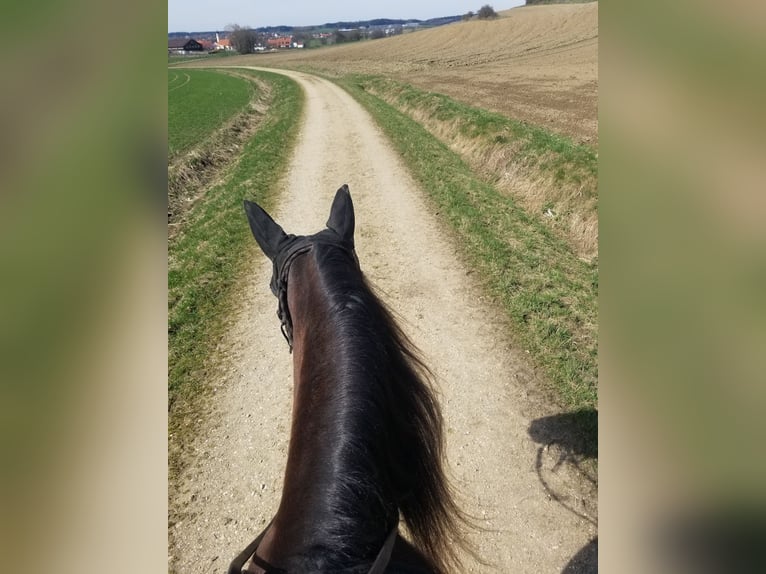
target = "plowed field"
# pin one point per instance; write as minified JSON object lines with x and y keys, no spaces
{"x":534,"y":63}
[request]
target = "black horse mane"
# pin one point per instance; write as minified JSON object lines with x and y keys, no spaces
{"x":387,"y":462}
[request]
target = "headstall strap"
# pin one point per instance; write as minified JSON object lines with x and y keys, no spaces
{"x":283,"y":312}
{"x":281,"y":273}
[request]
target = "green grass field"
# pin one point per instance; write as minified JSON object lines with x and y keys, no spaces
{"x":199,"y":101}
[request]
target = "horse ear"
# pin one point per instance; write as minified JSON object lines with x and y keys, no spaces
{"x":266,"y":231}
{"x":342,"y":214}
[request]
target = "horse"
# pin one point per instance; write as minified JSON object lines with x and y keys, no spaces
{"x":366,"y":444}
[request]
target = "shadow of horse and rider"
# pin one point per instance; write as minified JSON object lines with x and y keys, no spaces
{"x":572,"y":439}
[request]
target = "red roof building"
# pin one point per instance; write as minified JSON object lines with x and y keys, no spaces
{"x":281,"y":42}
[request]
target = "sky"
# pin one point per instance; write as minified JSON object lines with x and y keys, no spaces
{"x":210,"y":15}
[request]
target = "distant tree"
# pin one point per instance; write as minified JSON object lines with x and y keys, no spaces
{"x":302,"y":37}
{"x":378,"y":33}
{"x":487,"y":12}
{"x":349,"y":36}
{"x":468,"y":15}
{"x":243,"y":39}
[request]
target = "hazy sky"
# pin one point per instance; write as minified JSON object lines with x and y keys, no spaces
{"x":203,"y":15}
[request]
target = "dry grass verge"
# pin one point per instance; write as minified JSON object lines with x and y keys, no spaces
{"x":550,"y":176}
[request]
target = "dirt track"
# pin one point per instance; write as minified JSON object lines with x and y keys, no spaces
{"x":232,"y":487}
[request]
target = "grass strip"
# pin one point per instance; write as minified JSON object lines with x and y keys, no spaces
{"x":549,"y":294}
{"x":207,"y":255}
{"x":558,"y":155}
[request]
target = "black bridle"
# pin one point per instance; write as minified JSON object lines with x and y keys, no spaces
{"x":378,"y":566}
{"x":295,"y":246}
{"x":281,"y":273}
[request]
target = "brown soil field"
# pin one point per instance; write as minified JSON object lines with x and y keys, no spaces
{"x":534,"y":63}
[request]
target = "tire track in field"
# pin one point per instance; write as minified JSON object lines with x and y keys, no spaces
{"x":188,"y":79}
{"x":232,"y":487}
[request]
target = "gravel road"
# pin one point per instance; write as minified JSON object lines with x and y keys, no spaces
{"x":490,"y":392}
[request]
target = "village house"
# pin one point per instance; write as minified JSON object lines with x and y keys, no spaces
{"x":184,"y":46}
{"x":280,"y":42}
{"x":221,"y":43}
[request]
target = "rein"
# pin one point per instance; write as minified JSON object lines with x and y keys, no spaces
{"x":378,"y":567}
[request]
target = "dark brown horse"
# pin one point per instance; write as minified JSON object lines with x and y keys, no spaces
{"x":366,"y":443}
